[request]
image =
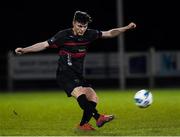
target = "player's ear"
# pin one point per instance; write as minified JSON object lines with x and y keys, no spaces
{"x":73,"y":23}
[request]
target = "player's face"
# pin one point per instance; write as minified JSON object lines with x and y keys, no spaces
{"x":79,"y":28}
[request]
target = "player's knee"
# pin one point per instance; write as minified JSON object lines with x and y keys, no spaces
{"x":91,"y":95}
{"x":95,"y":98}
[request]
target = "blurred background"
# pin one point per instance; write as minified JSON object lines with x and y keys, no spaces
{"x":147,"y":57}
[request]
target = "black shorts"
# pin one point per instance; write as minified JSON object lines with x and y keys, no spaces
{"x":69,"y":79}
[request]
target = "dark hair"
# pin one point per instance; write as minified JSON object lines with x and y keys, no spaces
{"x":82,"y":17}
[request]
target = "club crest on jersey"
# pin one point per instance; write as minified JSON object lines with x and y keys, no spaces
{"x":81,"y":50}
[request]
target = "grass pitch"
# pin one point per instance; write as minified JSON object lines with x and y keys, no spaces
{"x":53,"y":114}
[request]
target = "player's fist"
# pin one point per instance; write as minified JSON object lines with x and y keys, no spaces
{"x":131,"y":25}
{"x":19,"y":51}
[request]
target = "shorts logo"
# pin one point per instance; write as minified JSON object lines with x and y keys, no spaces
{"x":69,"y":63}
{"x":76,"y":80}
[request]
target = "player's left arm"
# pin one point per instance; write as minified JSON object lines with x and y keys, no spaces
{"x":117,"y":31}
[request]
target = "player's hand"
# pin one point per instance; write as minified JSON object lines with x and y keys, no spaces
{"x":131,"y":25}
{"x":19,"y":51}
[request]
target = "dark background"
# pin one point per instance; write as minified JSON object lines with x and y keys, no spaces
{"x":25,"y":23}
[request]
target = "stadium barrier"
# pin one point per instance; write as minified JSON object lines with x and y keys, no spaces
{"x":97,"y":66}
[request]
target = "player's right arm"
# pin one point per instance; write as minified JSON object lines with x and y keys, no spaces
{"x":34,"y":48}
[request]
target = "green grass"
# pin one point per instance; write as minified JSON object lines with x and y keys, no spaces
{"x":52,"y":113}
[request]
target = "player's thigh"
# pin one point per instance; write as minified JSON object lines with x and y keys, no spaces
{"x":78,"y":91}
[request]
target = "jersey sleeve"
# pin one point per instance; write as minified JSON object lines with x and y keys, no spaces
{"x":57,"y":39}
{"x":94,"y":34}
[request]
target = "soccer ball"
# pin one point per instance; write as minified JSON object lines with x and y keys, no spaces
{"x":143,"y":98}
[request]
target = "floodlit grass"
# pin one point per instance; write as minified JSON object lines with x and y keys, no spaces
{"x":52,"y":113}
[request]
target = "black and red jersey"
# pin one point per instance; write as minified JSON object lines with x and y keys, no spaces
{"x":73,"y":48}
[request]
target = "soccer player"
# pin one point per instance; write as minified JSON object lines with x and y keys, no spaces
{"x":72,"y":44}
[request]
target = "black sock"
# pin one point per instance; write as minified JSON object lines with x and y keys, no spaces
{"x":95,"y":113}
{"x":87,"y":108}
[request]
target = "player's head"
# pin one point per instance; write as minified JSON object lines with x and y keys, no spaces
{"x":82,"y":17}
{"x":80,"y":22}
